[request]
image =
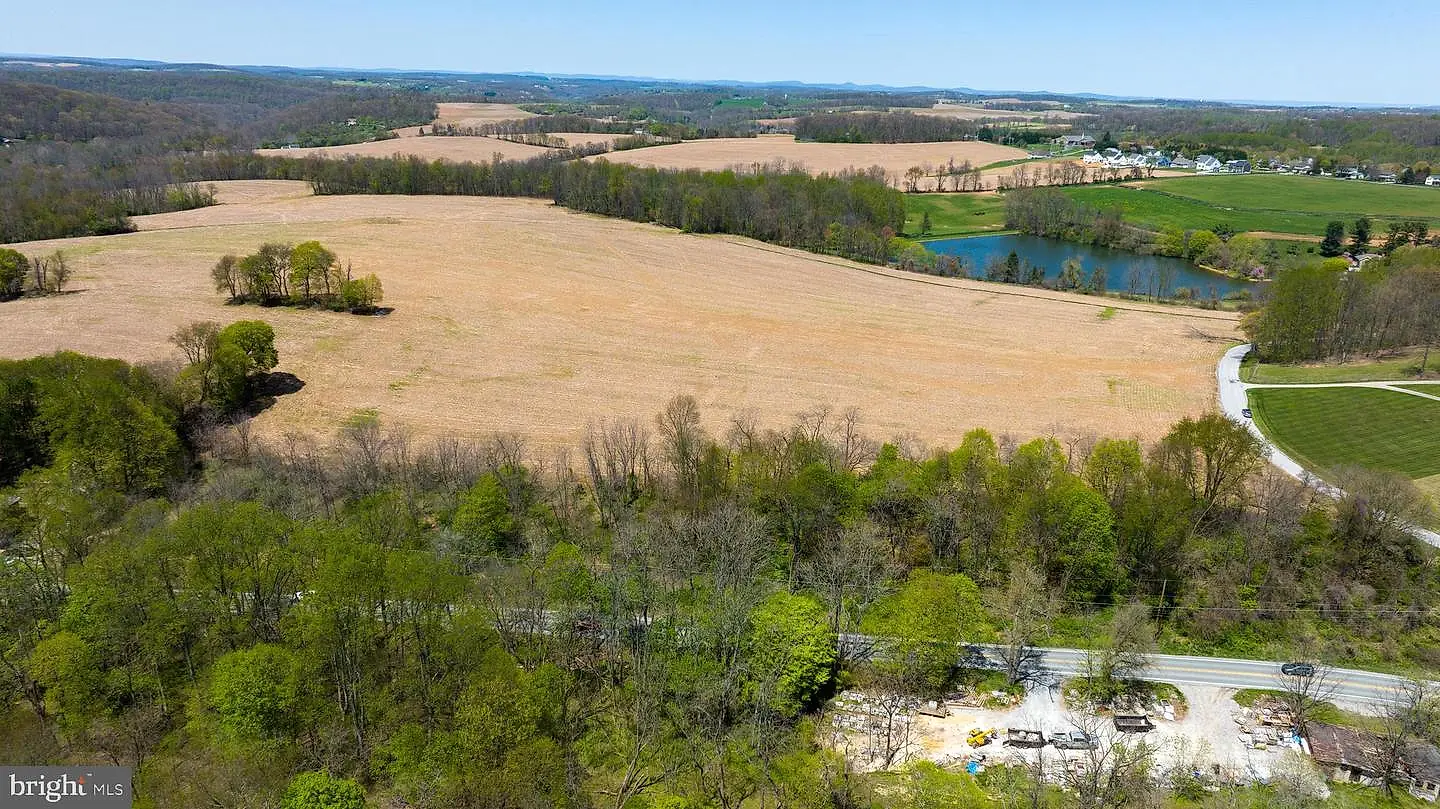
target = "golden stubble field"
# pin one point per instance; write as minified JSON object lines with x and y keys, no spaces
{"x":895,"y":158}
{"x":515,"y":315}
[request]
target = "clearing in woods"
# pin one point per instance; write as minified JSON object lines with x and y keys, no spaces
{"x":517,"y":315}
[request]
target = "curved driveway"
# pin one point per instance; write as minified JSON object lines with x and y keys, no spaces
{"x":1234,"y":400}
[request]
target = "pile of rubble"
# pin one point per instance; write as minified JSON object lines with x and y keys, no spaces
{"x":1267,"y":727}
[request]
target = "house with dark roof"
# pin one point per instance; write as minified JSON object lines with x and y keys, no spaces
{"x":1358,"y":757}
{"x":1075,"y":142}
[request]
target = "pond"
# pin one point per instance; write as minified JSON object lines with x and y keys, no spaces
{"x":1124,"y":272}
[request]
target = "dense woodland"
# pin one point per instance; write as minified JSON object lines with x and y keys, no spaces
{"x":650,"y":619}
{"x":895,"y":127}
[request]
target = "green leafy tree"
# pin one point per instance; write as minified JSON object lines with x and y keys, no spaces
{"x":362,"y":294}
{"x":922,"y":624}
{"x":1201,"y":243}
{"x":257,"y":691}
{"x":14,"y":266}
{"x":484,"y":517}
{"x":311,"y":270}
{"x":790,"y":653}
{"x":319,"y":790}
{"x":1334,"y":242}
{"x":1172,"y":241}
{"x":1360,"y":234}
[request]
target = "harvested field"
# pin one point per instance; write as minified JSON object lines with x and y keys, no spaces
{"x":465,"y":113}
{"x":457,"y":148}
{"x":966,"y":112}
{"x":516,"y":315}
{"x":895,"y":158}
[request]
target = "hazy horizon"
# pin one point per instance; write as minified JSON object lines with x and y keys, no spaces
{"x":1287,"y":52}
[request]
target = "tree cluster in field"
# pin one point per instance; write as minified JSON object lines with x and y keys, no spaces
{"x":1330,"y":311}
{"x":882,"y":127}
{"x":41,"y":275}
{"x":654,"y":619}
{"x":305,"y":274}
{"x":1050,"y":212}
{"x":1222,"y":248}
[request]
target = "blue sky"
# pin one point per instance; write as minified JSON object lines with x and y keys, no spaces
{"x":1371,"y":51}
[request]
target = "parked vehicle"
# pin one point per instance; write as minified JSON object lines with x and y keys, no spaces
{"x":1073,"y":740}
{"x":980,"y":737}
{"x":1133,"y":723}
{"x":1024,"y":737}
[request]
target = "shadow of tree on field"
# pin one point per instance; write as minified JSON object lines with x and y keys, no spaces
{"x":270,"y":388}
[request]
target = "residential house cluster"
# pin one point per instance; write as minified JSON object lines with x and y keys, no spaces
{"x":1116,"y":159}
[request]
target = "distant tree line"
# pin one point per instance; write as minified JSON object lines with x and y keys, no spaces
{"x":305,"y":274}
{"x":1329,"y":311}
{"x":852,"y":214}
{"x":881,"y":127}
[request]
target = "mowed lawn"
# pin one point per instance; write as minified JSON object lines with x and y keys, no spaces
{"x":1328,"y":428}
{"x":1264,"y":202}
{"x":955,"y":214}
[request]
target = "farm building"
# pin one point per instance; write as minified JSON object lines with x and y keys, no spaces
{"x":1237,"y":166}
{"x":1357,"y":757}
{"x":1207,"y":163}
{"x":1179,"y":162}
{"x":1075,"y":142}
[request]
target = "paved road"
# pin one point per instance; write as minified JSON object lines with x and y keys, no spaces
{"x":1234,"y":400}
{"x":1348,"y":684}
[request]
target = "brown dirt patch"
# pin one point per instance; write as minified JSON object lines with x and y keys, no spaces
{"x":517,"y":315}
{"x":895,"y":158}
{"x":1283,"y":237}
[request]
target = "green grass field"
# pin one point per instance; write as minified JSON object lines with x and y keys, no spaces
{"x":1390,"y":369}
{"x":1327,"y":428}
{"x":955,"y":214}
{"x":1273,"y":202}
{"x":1154,"y":210}
{"x":1339,"y":199}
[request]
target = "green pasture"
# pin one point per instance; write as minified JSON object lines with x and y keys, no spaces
{"x":955,"y":214}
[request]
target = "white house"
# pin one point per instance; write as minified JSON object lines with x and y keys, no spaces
{"x":1207,"y":163}
{"x":1181,"y":162}
{"x":1092,"y":158}
{"x":1433,"y":179}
